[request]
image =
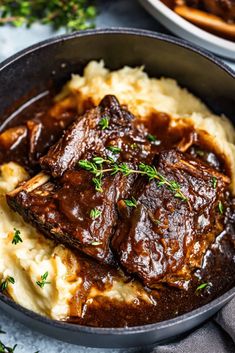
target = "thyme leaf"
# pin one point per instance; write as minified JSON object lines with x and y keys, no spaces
{"x":131,"y":202}
{"x":221,"y":207}
{"x":4,"y":284}
{"x":114,"y":149}
{"x":203,"y":286}
{"x":43,"y":281}
{"x":151,"y":138}
{"x":17,"y":238}
{"x":144,"y":169}
{"x":95,"y":213}
{"x":104,"y":123}
{"x":134,"y":146}
{"x":214,"y":182}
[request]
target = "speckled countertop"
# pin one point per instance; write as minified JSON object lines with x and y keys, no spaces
{"x":125,"y":13}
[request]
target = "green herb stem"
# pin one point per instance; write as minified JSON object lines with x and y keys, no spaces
{"x":43,"y":281}
{"x":151,"y":172}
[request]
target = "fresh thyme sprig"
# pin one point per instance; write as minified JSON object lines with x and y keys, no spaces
{"x":17,"y":238}
{"x":131,"y":202}
{"x":43,"y":281}
{"x":4,"y":284}
{"x":104,"y":122}
{"x":221,"y":207}
{"x":95,"y":167}
{"x":114,"y":149}
{"x":71,"y":14}
{"x":203,"y":286}
{"x":214,"y":182}
{"x":95,"y":213}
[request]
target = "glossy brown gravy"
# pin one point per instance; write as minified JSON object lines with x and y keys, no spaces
{"x":218,"y":268}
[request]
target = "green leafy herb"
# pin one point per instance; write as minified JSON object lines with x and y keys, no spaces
{"x":98,"y":160}
{"x":131,"y":202}
{"x":104,"y":123}
{"x":172,"y":185}
{"x":17,"y":238}
{"x":114,"y":149}
{"x":157,"y":221}
{"x":4,"y":284}
{"x":203,"y":286}
{"x":96,"y":243}
{"x":134,"y":146}
{"x":221,"y":207}
{"x":6,"y":349}
{"x":98,"y":184}
{"x":151,"y":172}
{"x":151,"y":138}
{"x":71,"y":14}
{"x":214,"y":182}
{"x":43,"y":281}
{"x":95,"y":213}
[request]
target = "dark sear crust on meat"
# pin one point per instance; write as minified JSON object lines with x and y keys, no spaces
{"x":88,"y":137}
{"x":63,"y":209}
{"x":169,"y":230}
{"x":164,"y":238}
{"x":179,"y":234}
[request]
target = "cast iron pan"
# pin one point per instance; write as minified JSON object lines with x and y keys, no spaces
{"x":50,"y":63}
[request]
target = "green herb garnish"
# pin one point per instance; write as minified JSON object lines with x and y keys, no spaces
{"x":43,"y":281}
{"x":214,"y":182}
{"x":72,"y":14}
{"x":131,"y":202}
{"x":151,"y":172}
{"x":203,"y":286}
{"x":221,"y":207}
{"x":134,"y":146}
{"x":98,"y":184}
{"x":151,"y":138}
{"x":104,"y":123}
{"x":95,"y":213}
{"x":114,"y":149}
{"x":4,"y":284}
{"x":17,"y":238}
{"x":6,"y":349}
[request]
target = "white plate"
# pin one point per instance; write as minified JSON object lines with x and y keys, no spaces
{"x":187,"y":30}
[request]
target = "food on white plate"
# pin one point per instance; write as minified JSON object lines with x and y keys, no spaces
{"x":215,"y":16}
{"x":117,"y":201}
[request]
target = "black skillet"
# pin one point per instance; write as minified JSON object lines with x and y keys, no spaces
{"x":49,"y":64}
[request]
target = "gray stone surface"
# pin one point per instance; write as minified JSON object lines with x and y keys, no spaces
{"x":124,"y":13}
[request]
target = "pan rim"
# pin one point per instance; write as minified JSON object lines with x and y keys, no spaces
{"x":224,"y":298}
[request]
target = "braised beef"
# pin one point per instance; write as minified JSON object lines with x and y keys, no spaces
{"x":161,"y":240}
{"x":62,"y":208}
{"x":88,"y":137}
{"x":164,"y":237}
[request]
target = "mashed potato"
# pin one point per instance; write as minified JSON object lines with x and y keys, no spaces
{"x":27,"y":261}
